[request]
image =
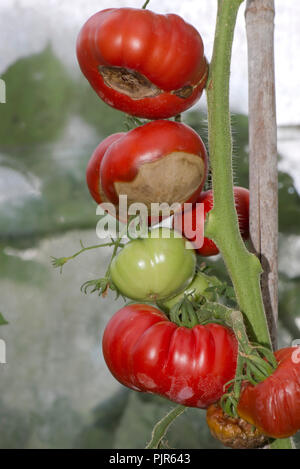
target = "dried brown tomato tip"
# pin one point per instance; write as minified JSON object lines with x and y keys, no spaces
{"x":235,"y":433}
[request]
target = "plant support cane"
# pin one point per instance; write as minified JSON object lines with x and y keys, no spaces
{"x":259,"y":16}
{"x":222,"y":225}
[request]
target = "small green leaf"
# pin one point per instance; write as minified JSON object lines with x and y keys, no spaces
{"x":100,"y":284}
{"x":59,"y":262}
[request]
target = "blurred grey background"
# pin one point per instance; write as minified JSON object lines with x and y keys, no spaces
{"x":55,"y":390}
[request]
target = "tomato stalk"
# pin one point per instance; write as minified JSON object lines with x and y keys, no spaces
{"x":243,"y":267}
{"x":101,"y":284}
{"x":145,"y":4}
{"x":161,"y":428}
{"x":254,"y":363}
{"x":222,"y":223}
{"x":61,"y":261}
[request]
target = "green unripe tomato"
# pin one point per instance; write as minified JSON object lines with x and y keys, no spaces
{"x":196,"y":288}
{"x":154,"y":268}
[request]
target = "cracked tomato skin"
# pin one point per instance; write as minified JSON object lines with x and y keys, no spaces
{"x":164,"y":50}
{"x":273,"y":405}
{"x":241,"y":198}
{"x":121,"y":157}
{"x":146,"y":352}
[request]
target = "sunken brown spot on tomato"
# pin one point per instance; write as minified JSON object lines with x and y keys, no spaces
{"x":184,"y":92}
{"x":129,"y":82}
{"x":233,"y":432}
{"x":136,"y":85}
{"x":171,"y":179}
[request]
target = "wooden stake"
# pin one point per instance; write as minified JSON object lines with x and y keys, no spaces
{"x":263,"y":151}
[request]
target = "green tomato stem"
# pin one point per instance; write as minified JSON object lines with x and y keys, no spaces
{"x":117,"y":245}
{"x":61,"y":261}
{"x":161,"y":428}
{"x":145,"y":4}
{"x":222,"y":224}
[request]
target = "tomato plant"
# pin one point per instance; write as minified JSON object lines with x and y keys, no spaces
{"x":153,"y":268}
{"x":153,"y":66}
{"x":145,"y":64}
{"x":241,"y":197}
{"x":146,"y":352}
{"x":273,"y":405}
{"x":161,"y":161}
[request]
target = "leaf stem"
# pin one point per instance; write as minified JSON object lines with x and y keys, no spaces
{"x":61,"y":261}
{"x":118,"y":244}
{"x":161,"y":428}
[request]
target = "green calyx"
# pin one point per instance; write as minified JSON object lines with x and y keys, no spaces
{"x":255,"y":363}
{"x":201,"y":285}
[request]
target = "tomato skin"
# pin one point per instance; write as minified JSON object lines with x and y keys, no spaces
{"x":93,"y":167}
{"x":153,"y":268}
{"x":163,"y":48}
{"x":273,"y":405}
{"x":146,"y":352}
{"x":241,"y":197}
{"x":120,"y":158}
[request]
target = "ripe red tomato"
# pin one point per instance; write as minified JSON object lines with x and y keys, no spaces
{"x":273,"y":405}
{"x":241,"y":196}
{"x":146,"y":64}
{"x":161,"y":161}
{"x":93,"y":167}
{"x":146,"y":352}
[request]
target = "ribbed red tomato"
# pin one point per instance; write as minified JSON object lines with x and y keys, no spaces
{"x":161,"y":161}
{"x":273,"y":405}
{"x":146,"y":352}
{"x":241,"y":197}
{"x":146,"y":64}
{"x":93,"y":167}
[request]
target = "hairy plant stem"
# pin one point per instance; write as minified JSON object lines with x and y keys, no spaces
{"x":222,"y":224}
{"x":161,"y":428}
